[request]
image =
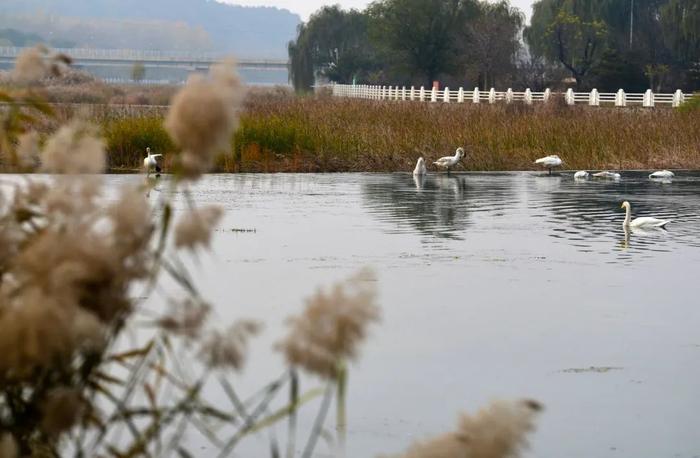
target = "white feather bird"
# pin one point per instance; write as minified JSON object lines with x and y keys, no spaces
{"x":644,"y":222}
{"x":581,"y":175}
{"x":662,"y":174}
{"x":447,"y":162}
{"x":550,"y":162}
{"x":150,"y":162}
{"x":608,"y":175}
{"x":420,"y":167}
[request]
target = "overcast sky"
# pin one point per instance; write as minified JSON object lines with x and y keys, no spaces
{"x":306,"y":7}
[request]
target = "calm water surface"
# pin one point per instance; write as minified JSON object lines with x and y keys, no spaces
{"x":492,"y":285}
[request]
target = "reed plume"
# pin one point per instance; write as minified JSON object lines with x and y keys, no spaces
{"x":204,"y":115}
{"x":332,"y":326}
{"x":194,"y":229}
{"x":496,"y":431}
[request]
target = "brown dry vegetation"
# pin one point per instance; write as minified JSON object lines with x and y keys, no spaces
{"x":280,"y":132}
{"x":326,"y":134}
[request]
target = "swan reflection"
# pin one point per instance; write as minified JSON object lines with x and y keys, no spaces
{"x":419,"y":181}
{"x":648,"y":233}
{"x":433,"y":205}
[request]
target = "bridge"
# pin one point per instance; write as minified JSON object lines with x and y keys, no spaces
{"x":88,"y":57}
{"x":162,"y":66}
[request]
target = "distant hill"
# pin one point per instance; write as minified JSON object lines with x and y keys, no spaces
{"x":154,"y":24}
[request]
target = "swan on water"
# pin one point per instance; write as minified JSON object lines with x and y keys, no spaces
{"x":644,"y":222}
{"x":581,"y":175}
{"x":150,"y":162}
{"x":450,"y":161}
{"x":549,"y":162}
{"x":608,"y":175}
{"x":663,"y":174}
{"x":420,"y":167}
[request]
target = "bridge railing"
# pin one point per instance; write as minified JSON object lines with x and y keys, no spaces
{"x":135,"y":55}
{"x":594,"y":98}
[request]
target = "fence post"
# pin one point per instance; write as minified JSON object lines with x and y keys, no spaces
{"x":678,"y":98}
{"x":570,"y":98}
{"x":509,"y":95}
{"x":446,"y":95}
{"x":433,"y":94}
{"x":546,"y":96}
{"x":403,"y":93}
{"x":412,"y":95}
{"x":620,"y":98}
{"x":475,"y":95}
{"x":594,"y":98}
{"x":422,"y":94}
{"x":460,"y":95}
{"x":648,"y":101}
{"x":492,"y":95}
{"x":528,"y":96}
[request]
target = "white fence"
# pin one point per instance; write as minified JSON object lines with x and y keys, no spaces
{"x":593,"y":98}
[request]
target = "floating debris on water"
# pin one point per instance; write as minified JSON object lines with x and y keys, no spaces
{"x":239,"y":230}
{"x":600,"y":370}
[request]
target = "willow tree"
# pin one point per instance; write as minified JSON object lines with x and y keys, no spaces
{"x":492,"y":42}
{"x":568,"y":32}
{"x":301,"y":70}
{"x":418,"y":38}
{"x":680,"y":20}
{"x":334,"y":45}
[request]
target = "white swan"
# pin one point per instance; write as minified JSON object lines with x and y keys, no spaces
{"x":645,"y":222}
{"x":581,"y":175}
{"x":663,"y":174}
{"x":150,"y":162}
{"x":450,"y":161}
{"x":608,"y":175}
{"x":550,"y":162}
{"x":420,"y":167}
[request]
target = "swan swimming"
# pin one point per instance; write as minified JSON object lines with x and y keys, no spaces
{"x":644,"y":222}
{"x":663,"y":174}
{"x":450,"y":161}
{"x":608,"y":175}
{"x":581,"y":175}
{"x":420,"y":167}
{"x":550,"y":162}
{"x":150,"y":162}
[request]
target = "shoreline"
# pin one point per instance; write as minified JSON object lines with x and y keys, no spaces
{"x":430,"y":173}
{"x":284,"y":133}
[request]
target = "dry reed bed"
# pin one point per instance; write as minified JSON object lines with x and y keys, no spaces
{"x":281,"y":132}
{"x":355,"y":135}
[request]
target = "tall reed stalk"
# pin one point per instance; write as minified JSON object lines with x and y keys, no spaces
{"x":322,"y":134}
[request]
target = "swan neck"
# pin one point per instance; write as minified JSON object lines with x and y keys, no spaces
{"x":628,"y":215}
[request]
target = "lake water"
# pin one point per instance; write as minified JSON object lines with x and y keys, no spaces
{"x":492,"y":285}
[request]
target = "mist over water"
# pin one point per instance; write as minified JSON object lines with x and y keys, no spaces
{"x":492,"y":285}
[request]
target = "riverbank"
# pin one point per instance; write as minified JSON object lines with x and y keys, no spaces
{"x":280,"y":132}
